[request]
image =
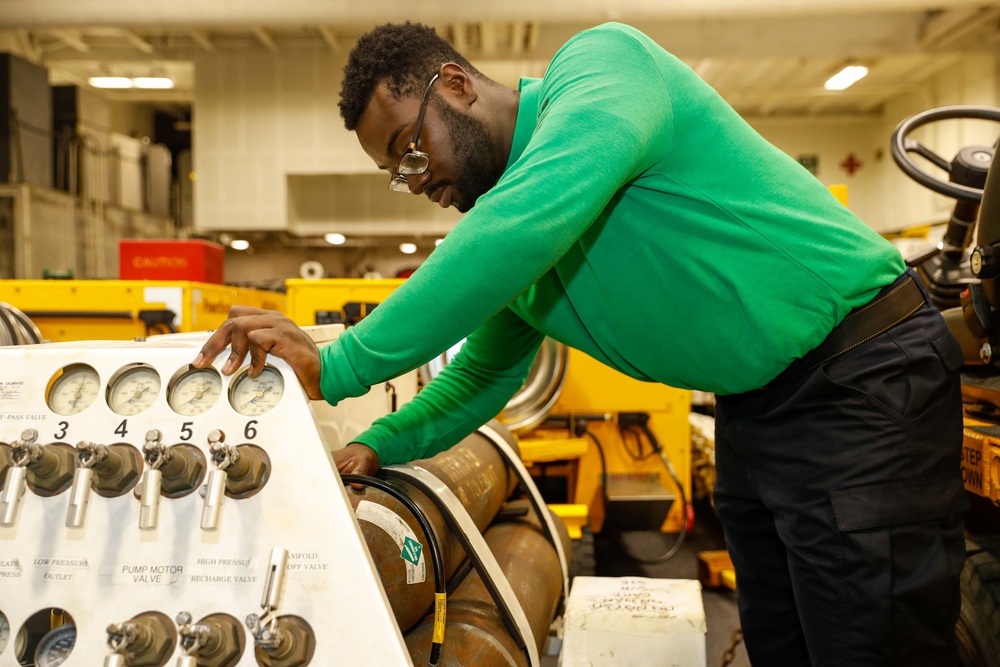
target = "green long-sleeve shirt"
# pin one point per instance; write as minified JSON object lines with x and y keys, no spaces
{"x":639,"y":219}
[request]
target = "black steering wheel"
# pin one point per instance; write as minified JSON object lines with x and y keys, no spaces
{"x":901,"y":146}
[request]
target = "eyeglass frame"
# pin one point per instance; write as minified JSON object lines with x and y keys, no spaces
{"x":398,"y":182}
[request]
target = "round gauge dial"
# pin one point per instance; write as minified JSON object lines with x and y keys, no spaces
{"x":194,"y":390}
{"x":73,"y":389}
{"x":4,"y":632}
{"x":55,"y":646}
{"x":254,"y":396}
{"x":133,"y":389}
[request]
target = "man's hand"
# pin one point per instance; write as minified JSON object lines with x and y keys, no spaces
{"x":357,"y":459}
{"x":260,"y":332}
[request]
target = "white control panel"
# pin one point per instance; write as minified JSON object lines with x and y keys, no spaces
{"x":149,"y":508}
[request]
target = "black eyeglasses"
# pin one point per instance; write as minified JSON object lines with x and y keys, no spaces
{"x":413,"y":161}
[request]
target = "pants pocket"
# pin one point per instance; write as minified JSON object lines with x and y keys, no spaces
{"x":903,"y":552}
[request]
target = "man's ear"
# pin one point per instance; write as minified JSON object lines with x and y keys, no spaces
{"x":458,"y":84}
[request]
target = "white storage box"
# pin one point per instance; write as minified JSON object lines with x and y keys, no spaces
{"x":634,"y":621}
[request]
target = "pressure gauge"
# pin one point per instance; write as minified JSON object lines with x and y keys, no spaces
{"x":55,"y":646}
{"x":254,"y":396}
{"x":133,"y":389}
{"x":4,"y":632}
{"x":73,"y":389}
{"x":192,"y":391}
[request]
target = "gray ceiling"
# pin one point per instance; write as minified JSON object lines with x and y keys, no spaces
{"x":766,"y":57}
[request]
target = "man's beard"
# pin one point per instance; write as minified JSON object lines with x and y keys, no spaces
{"x":476,"y":168}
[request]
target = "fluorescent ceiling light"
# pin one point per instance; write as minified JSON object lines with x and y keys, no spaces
{"x":239,"y":244}
{"x":110,"y":82}
{"x":335,"y":239}
{"x":846,"y":77}
{"x":157,"y":82}
{"x":407,"y":248}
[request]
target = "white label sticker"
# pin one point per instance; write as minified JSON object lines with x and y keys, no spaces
{"x":147,"y":573}
{"x":402,"y":535}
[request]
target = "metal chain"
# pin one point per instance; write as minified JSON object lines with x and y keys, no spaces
{"x":730,"y":653}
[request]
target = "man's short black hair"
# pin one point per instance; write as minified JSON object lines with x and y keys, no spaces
{"x":404,"y":55}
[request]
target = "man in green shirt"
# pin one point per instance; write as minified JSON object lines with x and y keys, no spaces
{"x":619,"y":205}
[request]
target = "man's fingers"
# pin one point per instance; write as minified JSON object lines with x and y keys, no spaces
{"x":244,"y":311}
{"x":216,"y":343}
{"x":349,"y":465}
{"x":295,"y":348}
{"x":261,"y":342}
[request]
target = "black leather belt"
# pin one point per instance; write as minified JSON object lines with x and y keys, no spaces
{"x":885,"y":311}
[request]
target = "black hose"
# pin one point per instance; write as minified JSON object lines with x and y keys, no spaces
{"x":440,"y":591}
{"x":615,"y":535}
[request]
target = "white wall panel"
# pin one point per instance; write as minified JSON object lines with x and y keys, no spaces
{"x":264,"y":119}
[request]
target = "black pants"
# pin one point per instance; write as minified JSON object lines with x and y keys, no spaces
{"x":841,"y":496}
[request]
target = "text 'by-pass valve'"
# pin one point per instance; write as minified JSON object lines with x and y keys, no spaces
{"x":223,"y":456}
{"x":264,"y":628}
{"x":88,"y":455}
{"x":23,"y":452}
{"x":156,"y":454}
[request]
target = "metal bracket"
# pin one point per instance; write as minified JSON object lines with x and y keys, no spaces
{"x":513,"y":459}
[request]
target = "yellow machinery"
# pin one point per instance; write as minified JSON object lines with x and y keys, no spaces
{"x":637,"y":476}
{"x":592,"y":392}
{"x":71,"y":310}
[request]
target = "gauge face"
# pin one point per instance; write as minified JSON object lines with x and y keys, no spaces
{"x":4,"y":632}
{"x":194,"y":391}
{"x":74,"y":390}
{"x":133,"y":389}
{"x":255,"y":396}
{"x":55,"y":646}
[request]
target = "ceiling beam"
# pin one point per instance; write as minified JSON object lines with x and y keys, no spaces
{"x":265,"y":38}
{"x":31,"y":52}
{"x":202,"y":39}
{"x":938,"y":24}
{"x":72,"y":39}
{"x":329,"y":37}
{"x":138,"y":42}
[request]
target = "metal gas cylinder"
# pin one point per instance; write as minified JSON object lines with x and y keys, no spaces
{"x":476,"y":473}
{"x":475,"y":633}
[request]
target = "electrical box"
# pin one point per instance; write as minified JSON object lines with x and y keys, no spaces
{"x":171,"y":259}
